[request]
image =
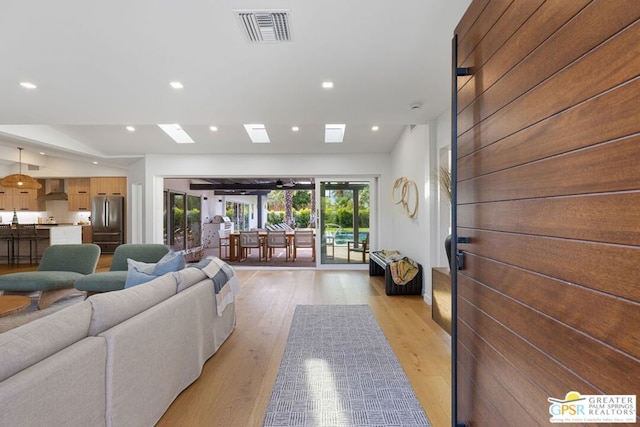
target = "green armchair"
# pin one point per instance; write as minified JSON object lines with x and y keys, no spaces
{"x":115,"y":278}
{"x":59,"y":268}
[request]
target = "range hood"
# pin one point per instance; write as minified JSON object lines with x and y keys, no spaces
{"x":56,"y":190}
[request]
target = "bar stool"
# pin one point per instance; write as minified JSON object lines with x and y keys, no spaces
{"x":6,"y":234}
{"x":26,"y":233}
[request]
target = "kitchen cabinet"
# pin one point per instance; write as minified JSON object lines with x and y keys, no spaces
{"x":79,"y":202}
{"x":109,"y":186}
{"x":79,"y":193}
{"x":87,"y":236}
{"x":20,"y":199}
{"x":79,"y":186}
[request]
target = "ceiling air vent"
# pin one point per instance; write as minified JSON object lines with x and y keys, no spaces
{"x":265,"y":26}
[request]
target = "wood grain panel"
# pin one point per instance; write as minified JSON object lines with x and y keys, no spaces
{"x":569,"y":43}
{"x":622,"y":56}
{"x":470,"y":17}
{"x":508,"y":405}
{"x":480,"y":402}
{"x":570,"y":260}
{"x":548,"y":190}
{"x":607,"y":218}
{"x":602,"y":316}
{"x":490,"y":15}
{"x":578,"y":352}
{"x":614,"y":114}
{"x":612,"y":166}
{"x":549,"y":375}
{"x":489,"y":65}
{"x":516,"y":397}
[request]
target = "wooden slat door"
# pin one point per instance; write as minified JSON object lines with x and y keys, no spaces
{"x":548,"y":191}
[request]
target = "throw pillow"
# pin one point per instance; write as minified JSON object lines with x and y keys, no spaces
{"x":138,"y":272}
{"x":172,"y":261}
{"x":145,"y":267}
{"x":135,"y":278}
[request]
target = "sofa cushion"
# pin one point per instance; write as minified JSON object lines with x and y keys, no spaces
{"x":188,"y":277}
{"x":112,"y":308}
{"x":66,"y":389}
{"x":30,"y":343}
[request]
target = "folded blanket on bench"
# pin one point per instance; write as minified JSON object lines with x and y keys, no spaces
{"x":403,"y":271}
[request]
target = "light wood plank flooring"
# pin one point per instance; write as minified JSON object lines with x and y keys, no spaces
{"x":235,"y":385}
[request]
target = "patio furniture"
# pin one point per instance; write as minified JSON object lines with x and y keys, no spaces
{"x":223,"y":242}
{"x":361,"y":247}
{"x":277,"y":239}
{"x":250,"y":240}
{"x":303,"y":239}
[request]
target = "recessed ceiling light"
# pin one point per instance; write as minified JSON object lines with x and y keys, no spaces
{"x":374,"y":128}
{"x":257,"y":133}
{"x":327,"y":85}
{"x":42,"y":153}
{"x":95,"y":163}
{"x":28,"y":85}
{"x":295,"y":128}
{"x":131,"y":129}
{"x":334,"y":133}
{"x":213,"y":128}
{"x":176,"y":132}
{"x":176,"y":85}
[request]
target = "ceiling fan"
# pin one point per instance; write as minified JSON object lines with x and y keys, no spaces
{"x":280,"y":184}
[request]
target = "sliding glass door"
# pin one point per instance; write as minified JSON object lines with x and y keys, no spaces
{"x":344,"y":226}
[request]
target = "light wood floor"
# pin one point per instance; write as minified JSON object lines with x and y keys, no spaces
{"x":235,"y":385}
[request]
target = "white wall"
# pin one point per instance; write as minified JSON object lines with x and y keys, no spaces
{"x":416,"y":157}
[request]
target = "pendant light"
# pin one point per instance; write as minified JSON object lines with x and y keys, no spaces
{"x":18,"y":180}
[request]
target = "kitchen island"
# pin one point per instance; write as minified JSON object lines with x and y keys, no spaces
{"x":48,"y":234}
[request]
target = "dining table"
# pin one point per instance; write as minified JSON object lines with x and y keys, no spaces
{"x":234,"y":243}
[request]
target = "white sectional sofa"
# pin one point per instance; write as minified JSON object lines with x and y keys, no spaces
{"x":116,"y":359}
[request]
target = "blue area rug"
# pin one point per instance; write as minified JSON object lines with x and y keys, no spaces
{"x":338,"y":369}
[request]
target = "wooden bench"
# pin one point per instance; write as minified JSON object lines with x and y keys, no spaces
{"x":378,"y":266}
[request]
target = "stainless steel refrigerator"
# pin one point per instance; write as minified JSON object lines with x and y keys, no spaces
{"x":107,"y":222}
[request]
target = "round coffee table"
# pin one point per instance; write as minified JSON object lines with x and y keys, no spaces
{"x":12,"y":303}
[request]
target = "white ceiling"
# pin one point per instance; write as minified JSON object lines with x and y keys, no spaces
{"x":103,"y":65}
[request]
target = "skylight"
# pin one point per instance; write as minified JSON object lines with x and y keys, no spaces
{"x":333,"y":133}
{"x":176,"y":132}
{"x":257,"y":133}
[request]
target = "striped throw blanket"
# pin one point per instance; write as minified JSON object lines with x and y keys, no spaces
{"x":222,"y":274}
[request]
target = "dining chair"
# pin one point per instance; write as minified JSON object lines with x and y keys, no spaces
{"x":277,"y":239}
{"x":303,"y":239}
{"x":223,"y":242}
{"x":250,"y":240}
